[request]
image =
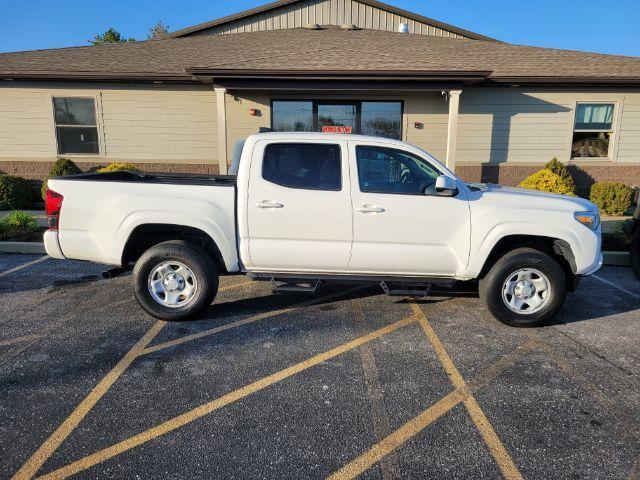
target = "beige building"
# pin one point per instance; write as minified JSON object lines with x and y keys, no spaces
{"x":492,"y":111}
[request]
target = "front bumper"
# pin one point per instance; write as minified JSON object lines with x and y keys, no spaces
{"x":52,"y":244}
{"x":596,"y":267}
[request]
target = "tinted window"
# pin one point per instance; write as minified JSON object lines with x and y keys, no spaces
{"x":303,"y":165}
{"x":292,"y":116}
{"x":387,"y":170}
{"x":382,"y":119}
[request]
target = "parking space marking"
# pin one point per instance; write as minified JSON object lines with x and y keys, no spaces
{"x":31,"y":466}
{"x":399,"y":437}
{"x":24,"y":265}
{"x":417,"y":424}
{"x":244,"y":321}
{"x":11,"y":341}
{"x":617,"y":287}
{"x":499,"y":452}
{"x":227,"y":399}
{"x":629,"y":427}
{"x":381,"y":424}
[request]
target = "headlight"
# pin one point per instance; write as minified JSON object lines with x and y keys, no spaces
{"x":590,"y":219}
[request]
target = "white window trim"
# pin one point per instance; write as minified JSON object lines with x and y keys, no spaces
{"x":100,"y":131}
{"x":613,"y":140}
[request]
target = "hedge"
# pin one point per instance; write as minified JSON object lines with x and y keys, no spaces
{"x":16,"y":193}
{"x":612,"y":198}
{"x":547,"y":181}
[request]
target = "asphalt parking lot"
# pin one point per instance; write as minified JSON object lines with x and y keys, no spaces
{"x":341,"y":384}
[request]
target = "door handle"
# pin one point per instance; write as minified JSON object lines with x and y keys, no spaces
{"x":369,"y":209}
{"x":268,"y":204}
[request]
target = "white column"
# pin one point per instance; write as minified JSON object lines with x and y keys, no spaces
{"x":222,"y":129}
{"x":452,"y":129}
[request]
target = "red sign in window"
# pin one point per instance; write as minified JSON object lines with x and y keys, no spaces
{"x":336,"y":129}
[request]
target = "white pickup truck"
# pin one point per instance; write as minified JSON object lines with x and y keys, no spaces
{"x":304,"y":208}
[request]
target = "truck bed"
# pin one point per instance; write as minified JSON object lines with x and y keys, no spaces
{"x":100,"y":211}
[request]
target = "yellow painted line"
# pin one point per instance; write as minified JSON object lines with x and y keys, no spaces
{"x":398,"y":438}
{"x":24,"y":338}
{"x":629,"y":427}
{"x":24,"y":265}
{"x":381,"y":424}
{"x":497,"y":449}
{"x":198,"y":412}
{"x":245,"y":321}
{"x":414,"y":426}
{"x":31,"y":467}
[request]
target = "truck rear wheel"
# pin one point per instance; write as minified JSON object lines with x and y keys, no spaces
{"x":524,"y":288}
{"x":175,"y":280}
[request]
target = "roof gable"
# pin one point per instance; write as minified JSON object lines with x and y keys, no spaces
{"x":284,"y":14}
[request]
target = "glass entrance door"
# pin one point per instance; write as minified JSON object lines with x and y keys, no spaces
{"x":338,"y":117}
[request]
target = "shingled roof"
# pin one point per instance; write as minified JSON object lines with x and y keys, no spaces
{"x":300,"y":52}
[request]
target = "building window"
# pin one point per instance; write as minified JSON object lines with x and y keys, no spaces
{"x":76,"y":125}
{"x":314,"y":166}
{"x":593,"y":130}
{"x":378,"y":118}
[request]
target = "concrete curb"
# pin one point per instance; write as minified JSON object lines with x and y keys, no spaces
{"x":22,"y":247}
{"x":621,"y":259}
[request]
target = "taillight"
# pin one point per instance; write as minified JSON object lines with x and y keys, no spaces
{"x":53,"y":204}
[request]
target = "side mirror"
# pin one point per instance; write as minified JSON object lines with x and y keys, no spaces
{"x":446,"y":186}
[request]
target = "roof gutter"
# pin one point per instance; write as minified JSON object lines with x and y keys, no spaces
{"x":573,"y":81}
{"x":469,"y":76}
{"x":100,"y":76}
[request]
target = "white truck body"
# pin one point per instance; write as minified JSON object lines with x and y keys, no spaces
{"x":260,"y":226}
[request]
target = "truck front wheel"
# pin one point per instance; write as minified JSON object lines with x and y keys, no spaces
{"x":175,"y":280}
{"x":524,"y":288}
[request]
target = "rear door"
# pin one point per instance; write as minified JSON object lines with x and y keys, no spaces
{"x":400,"y":224}
{"x":299,"y":206}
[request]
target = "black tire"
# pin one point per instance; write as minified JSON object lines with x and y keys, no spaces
{"x":635,"y":253}
{"x":490,"y":287}
{"x":196,"y":259}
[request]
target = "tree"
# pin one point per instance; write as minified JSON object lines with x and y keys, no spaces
{"x":110,"y":36}
{"x":159,"y":30}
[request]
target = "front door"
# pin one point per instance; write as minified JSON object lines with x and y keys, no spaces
{"x":338,"y":117}
{"x":299,"y":207}
{"x":400,"y":225}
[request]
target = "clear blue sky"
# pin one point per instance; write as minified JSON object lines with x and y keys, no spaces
{"x":590,"y":25}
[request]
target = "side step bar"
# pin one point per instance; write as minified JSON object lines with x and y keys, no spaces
{"x":288,"y":287}
{"x":406,"y":289}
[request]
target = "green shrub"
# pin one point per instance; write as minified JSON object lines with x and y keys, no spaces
{"x":560,"y":169}
{"x":64,"y":166}
{"x":18,"y":220}
{"x":547,"y":181}
{"x":60,"y":168}
{"x":15,"y":193}
{"x":4,"y":231}
{"x":119,"y":167}
{"x":612,"y":198}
